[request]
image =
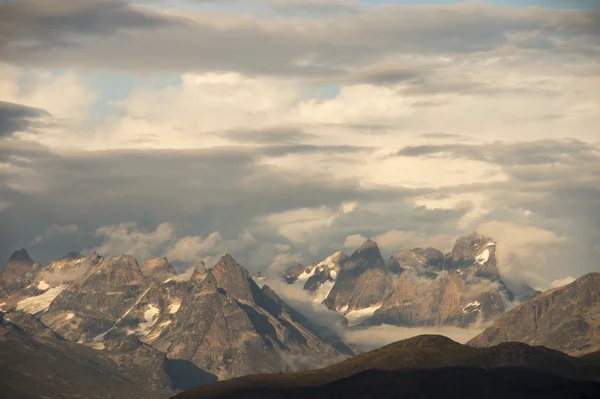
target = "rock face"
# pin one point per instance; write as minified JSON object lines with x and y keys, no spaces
{"x":363,"y":281}
{"x":109,"y":293}
{"x":228,"y":326}
{"x":418,"y":287}
{"x":565,"y":319}
{"x":18,"y":273}
{"x":159,"y":268}
{"x":165,"y":331}
{"x":477,"y":254}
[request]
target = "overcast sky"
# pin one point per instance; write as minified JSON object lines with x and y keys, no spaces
{"x":282,"y":130}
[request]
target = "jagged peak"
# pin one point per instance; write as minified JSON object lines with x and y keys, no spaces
{"x":20,"y":255}
{"x":368,"y":244}
{"x":200,"y":265}
{"x":200,"y":272}
{"x":72,"y":255}
{"x":156,"y":262}
{"x":233,"y":278}
{"x":122,"y":260}
{"x":227,"y":261}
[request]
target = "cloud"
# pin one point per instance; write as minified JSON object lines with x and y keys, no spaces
{"x":189,"y":249}
{"x":54,"y":230}
{"x":563,"y":281}
{"x":91,"y":34}
{"x":365,"y":338}
{"x":125,"y":238}
{"x":319,"y":7}
{"x":271,"y":143}
{"x":57,"y":23}
{"x":539,"y":152}
{"x":18,"y":118}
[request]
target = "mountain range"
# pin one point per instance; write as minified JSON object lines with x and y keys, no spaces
{"x":149,"y":321}
{"x":415,"y":287}
{"x":98,"y":327}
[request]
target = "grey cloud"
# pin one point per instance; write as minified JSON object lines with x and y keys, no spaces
{"x":300,"y":47}
{"x":522,"y":153}
{"x":57,"y":23}
{"x":284,"y":134}
{"x":437,"y":135}
{"x":200,"y":191}
{"x":556,"y":181}
{"x":319,"y":7}
{"x":281,"y":150}
{"x":386,"y":74}
{"x":18,"y":118}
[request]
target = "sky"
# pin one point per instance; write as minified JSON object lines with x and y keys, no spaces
{"x":282,"y":130}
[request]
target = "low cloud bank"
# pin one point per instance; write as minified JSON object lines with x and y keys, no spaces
{"x":365,"y":339}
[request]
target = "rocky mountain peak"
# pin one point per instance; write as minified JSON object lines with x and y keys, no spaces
{"x":369,"y":244}
{"x":21,"y":255}
{"x":474,"y":249}
{"x":116,"y":272}
{"x":200,"y":272}
{"x":19,"y":272}
{"x":72,"y":255}
{"x":233,"y":278}
{"x":159,"y":268}
{"x":421,"y":260}
{"x":367,"y":256}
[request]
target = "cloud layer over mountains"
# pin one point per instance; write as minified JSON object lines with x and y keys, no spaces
{"x":282,"y":130}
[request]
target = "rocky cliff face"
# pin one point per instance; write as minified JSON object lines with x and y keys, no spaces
{"x":159,"y":269}
{"x":420,"y":286}
{"x":165,"y":331}
{"x":18,"y":273}
{"x":363,"y":281}
{"x":229,"y":326}
{"x":566,"y":319}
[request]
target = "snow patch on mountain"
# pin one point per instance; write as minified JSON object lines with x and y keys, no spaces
{"x":483,"y":257}
{"x":174,"y":307}
{"x":40,"y":303}
{"x":69,"y":316}
{"x":472,"y":307}
{"x":151,"y":316}
{"x":305,"y":276}
{"x":356,"y":316}
{"x":42,"y":286}
{"x":323,"y":291}
{"x":330,"y":261}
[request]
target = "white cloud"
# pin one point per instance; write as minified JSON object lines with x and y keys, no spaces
{"x":190,"y":248}
{"x":126,"y":238}
{"x":525,"y":252}
{"x":354,"y":241}
{"x":165,"y":241}
{"x":562,"y":281}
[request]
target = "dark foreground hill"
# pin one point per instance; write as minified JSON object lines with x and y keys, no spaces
{"x":428,"y":366}
{"x":45,"y":367}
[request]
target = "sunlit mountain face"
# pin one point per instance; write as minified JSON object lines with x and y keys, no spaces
{"x":265,"y":186}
